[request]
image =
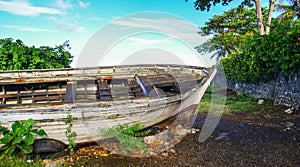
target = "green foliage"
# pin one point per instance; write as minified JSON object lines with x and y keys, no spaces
{"x":71,"y":135}
{"x":238,"y":20}
{"x":232,"y":30}
{"x":17,"y":162}
{"x":133,"y":130}
{"x":291,"y":11}
{"x":225,"y":43}
{"x":20,"y":138}
{"x":14,"y":55}
{"x":264,"y":56}
{"x":126,"y":135}
{"x":240,"y":103}
{"x":206,"y":4}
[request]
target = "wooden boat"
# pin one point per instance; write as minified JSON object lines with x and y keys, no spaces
{"x":100,"y":97}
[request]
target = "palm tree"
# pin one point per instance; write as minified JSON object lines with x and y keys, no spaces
{"x":289,"y":11}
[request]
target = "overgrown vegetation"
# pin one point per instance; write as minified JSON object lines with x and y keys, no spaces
{"x":254,"y":46}
{"x":15,"y":55}
{"x":262,"y":57}
{"x":71,"y":135}
{"x":240,"y":103}
{"x":127,"y":137}
{"x":19,"y":139}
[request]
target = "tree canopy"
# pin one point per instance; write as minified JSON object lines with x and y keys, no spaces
{"x":206,"y":5}
{"x":239,"y":20}
{"x":232,"y":29}
{"x":15,"y":55}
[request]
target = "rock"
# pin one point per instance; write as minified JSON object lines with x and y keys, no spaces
{"x":289,"y":111}
{"x":165,"y":135}
{"x":194,"y":131}
{"x":162,"y":135}
{"x":172,"y":151}
{"x":243,"y":125}
{"x":179,"y":127}
{"x":182,"y":132}
{"x":149,"y":139}
{"x":165,"y":154}
{"x":289,"y":124}
{"x":170,"y":136}
{"x":153,"y":154}
{"x":54,"y":164}
{"x":223,"y":136}
{"x":260,"y":101}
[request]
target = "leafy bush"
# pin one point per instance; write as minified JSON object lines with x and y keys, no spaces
{"x":264,"y":56}
{"x":20,"y":138}
{"x":126,"y":135}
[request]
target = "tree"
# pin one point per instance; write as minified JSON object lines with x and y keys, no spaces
{"x":206,"y":4}
{"x":238,"y":20}
{"x":14,"y":55}
{"x":232,"y":30}
{"x":271,"y":9}
{"x":291,"y":11}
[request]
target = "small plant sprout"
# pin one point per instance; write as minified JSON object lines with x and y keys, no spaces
{"x":71,"y":135}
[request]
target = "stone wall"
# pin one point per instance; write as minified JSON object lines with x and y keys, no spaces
{"x":283,"y":90}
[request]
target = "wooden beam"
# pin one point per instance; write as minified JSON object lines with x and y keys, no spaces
{"x":70,"y":95}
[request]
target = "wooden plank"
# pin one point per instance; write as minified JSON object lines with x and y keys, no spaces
{"x":4,"y":93}
{"x":70,"y":95}
{"x":104,"y":90}
{"x":48,"y":98}
{"x":145,"y":88}
{"x":32,"y":94}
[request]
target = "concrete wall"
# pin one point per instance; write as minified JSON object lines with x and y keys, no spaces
{"x":283,"y":90}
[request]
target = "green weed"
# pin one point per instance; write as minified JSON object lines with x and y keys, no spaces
{"x":127,"y":137}
{"x":71,"y":135}
{"x":15,"y":162}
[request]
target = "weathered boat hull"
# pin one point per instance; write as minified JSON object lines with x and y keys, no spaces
{"x":93,"y":113}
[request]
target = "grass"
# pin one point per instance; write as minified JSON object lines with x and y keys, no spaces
{"x":237,"y":103}
{"x":15,"y":162}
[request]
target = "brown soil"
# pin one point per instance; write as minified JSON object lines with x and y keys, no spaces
{"x":252,"y":141}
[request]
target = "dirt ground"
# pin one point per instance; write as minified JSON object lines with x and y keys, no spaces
{"x":249,"y":141}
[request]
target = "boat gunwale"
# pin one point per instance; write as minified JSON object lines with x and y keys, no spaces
{"x":103,"y":67}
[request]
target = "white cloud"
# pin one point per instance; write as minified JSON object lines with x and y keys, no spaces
{"x":26,"y":28}
{"x":52,"y":18}
{"x":64,"y":4}
{"x":67,"y":24}
{"x":177,"y":28}
{"x":84,"y":5}
{"x":95,"y":18}
{"x":143,"y":41}
{"x":25,"y":9}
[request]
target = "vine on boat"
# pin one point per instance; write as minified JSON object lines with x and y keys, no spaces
{"x":20,"y":139}
{"x":71,"y":135}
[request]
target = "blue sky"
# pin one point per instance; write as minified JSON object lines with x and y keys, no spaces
{"x":51,"y":22}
